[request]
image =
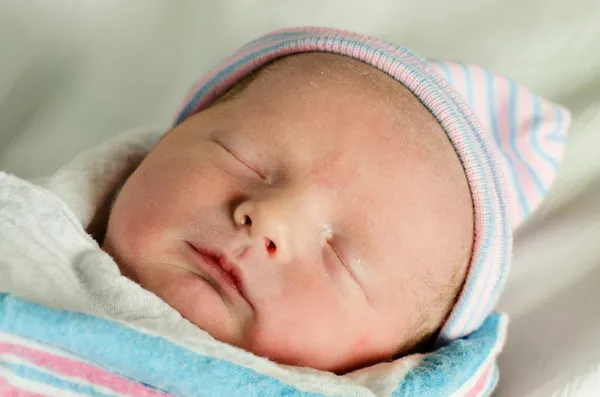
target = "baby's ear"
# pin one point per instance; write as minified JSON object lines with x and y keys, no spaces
{"x":528,"y":131}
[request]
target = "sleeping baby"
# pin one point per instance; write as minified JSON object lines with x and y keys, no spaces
{"x":325,"y":199}
{"x":316,"y":214}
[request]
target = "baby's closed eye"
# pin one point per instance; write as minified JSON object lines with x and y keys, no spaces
{"x":242,"y":161}
{"x":335,"y":256}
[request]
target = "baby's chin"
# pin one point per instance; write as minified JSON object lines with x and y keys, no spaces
{"x":197,"y":300}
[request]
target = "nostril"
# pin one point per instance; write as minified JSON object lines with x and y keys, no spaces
{"x":271,"y":247}
{"x":247,"y":220}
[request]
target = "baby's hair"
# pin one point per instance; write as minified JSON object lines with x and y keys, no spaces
{"x":438,"y":290}
{"x":433,"y":311}
{"x":238,"y":88}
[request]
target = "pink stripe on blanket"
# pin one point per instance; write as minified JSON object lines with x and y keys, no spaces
{"x":77,"y":369}
{"x":482,"y":383}
{"x":8,"y":390}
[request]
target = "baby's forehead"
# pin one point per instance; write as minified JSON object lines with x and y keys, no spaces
{"x":326,"y":85}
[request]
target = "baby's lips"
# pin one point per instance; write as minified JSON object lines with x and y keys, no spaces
{"x":225,"y":272}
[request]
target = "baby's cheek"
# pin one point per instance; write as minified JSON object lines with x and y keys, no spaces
{"x":293,"y":343}
{"x":142,"y":235}
{"x":308,"y":330}
{"x":132,"y":229}
{"x":359,"y":344}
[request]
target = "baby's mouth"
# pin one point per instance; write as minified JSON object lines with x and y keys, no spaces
{"x":196,"y":272}
{"x":217,"y":271}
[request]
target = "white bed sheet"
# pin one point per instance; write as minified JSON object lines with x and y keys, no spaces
{"x":74,"y":73}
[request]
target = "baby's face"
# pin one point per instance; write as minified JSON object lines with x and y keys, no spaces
{"x":302,"y":220}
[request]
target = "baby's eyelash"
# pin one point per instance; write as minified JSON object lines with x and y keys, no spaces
{"x":336,"y":253}
{"x":253,"y":169}
{"x":346,"y":266}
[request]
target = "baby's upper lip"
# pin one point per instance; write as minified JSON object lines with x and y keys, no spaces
{"x":232,"y":272}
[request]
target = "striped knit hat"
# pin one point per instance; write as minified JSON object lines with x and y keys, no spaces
{"x":509,"y":141}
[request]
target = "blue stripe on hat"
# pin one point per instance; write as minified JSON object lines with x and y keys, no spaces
{"x":513,"y":129}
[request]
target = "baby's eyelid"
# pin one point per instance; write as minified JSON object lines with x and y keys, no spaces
{"x":348,"y":268}
{"x":251,"y":168}
{"x":330,"y":244}
{"x":339,"y":256}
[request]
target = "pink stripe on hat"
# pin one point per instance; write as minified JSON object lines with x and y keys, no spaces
{"x":479,"y":151}
{"x":530,"y":136}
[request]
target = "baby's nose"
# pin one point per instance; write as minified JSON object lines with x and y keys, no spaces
{"x":275,"y":227}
